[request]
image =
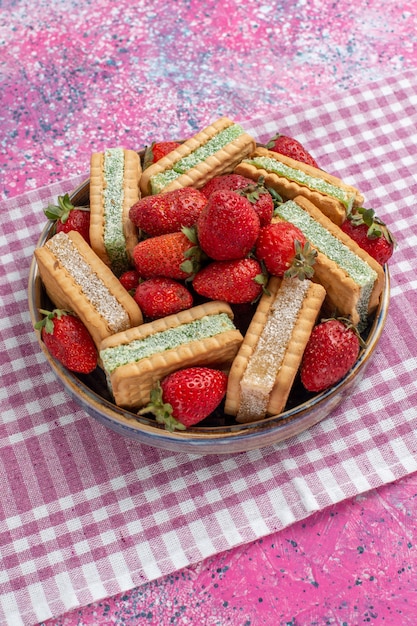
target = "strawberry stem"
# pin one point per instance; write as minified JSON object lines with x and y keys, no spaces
{"x":349,"y":325}
{"x":376,"y":227}
{"x":304,"y":259}
{"x":194,"y":256}
{"x":253,"y":191}
{"x":277,"y":199}
{"x":148,"y":156}
{"x":47,"y":322}
{"x":162,"y":411}
{"x":62,"y":210}
{"x":270,"y":144}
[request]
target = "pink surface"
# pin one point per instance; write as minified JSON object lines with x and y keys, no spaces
{"x":348,"y":565}
{"x":75,"y":78}
{"x":76,"y":75}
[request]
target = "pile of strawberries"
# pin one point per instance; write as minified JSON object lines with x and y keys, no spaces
{"x":203,"y":240}
{"x":217,"y":243}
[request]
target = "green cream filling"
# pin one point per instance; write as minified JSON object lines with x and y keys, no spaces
{"x":186,"y":163}
{"x":203,"y":328}
{"x":114,"y":238}
{"x":322,"y":239}
{"x":298,"y":176}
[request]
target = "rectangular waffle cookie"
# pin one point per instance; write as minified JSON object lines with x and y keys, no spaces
{"x":199,"y":158}
{"x":263,"y":372}
{"x":136,"y":359}
{"x":290,"y":178}
{"x":352,"y":278}
{"x":76,"y":279}
{"x":114,"y":188}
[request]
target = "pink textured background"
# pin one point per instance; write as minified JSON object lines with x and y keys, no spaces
{"x":76,"y":76}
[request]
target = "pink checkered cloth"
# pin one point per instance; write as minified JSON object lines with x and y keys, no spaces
{"x":86,"y":513}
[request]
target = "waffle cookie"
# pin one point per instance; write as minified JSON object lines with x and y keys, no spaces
{"x":263,"y":372}
{"x":215,"y":150}
{"x":76,"y":279}
{"x":352,"y":278}
{"x":290,"y":179}
{"x":136,"y":359}
{"x":114,"y":188}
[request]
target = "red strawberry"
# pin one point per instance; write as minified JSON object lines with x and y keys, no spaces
{"x":68,"y":340}
{"x":228,"y":182}
{"x":370,"y":233}
{"x":168,"y":212}
{"x":236,"y":281}
{"x":130,"y":279}
{"x":260,"y":199}
{"x":330,"y":353}
{"x":159,"y":296}
{"x":228,"y":226}
{"x":290,"y":147}
{"x":285,"y":251}
{"x":172,"y":255}
{"x":68,"y":217}
{"x":157,"y":150}
{"x":186,"y":397}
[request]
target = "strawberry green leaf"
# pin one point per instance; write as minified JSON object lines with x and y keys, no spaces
{"x":376,"y":227}
{"x":191,"y":233}
{"x":148,"y":156}
{"x":62,"y":210}
{"x":304,"y":259}
{"x":275,"y":197}
{"x":271,"y":142}
{"x":188,"y":267}
{"x":193,"y":258}
{"x":254,"y":191}
{"x":162,"y":411}
{"x":47,"y":322}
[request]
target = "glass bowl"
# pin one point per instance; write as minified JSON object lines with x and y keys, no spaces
{"x":218,"y":434}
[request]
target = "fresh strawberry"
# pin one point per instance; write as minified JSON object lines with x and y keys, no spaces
{"x":157,"y":150}
{"x":172,"y":255}
{"x":67,"y":217}
{"x":225,"y":182}
{"x":370,"y":233}
{"x":168,"y":212}
{"x":68,"y":340}
{"x":236,"y":281}
{"x":159,"y":296}
{"x":330,"y":353}
{"x":186,"y":397}
{"x":228,"y":226}
{"x":284,"y":250}
{"x":288,"y":146}
{"x":260,"y":199}
{"x":130,"y":279}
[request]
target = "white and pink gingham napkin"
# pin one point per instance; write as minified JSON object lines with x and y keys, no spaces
{"x":85,"y":513}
